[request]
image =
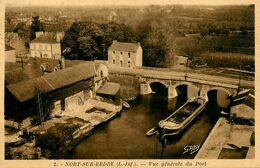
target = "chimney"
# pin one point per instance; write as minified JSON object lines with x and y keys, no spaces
{"x":38,"y":33}
{"x":62,"y":63}
{"x":138,"y":44}
{"x":59,"y":36}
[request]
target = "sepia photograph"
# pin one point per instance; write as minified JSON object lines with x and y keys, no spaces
{"x":159,"y":80}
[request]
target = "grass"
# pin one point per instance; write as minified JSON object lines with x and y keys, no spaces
{"x":232,"y":60}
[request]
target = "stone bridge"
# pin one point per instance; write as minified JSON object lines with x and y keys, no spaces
{"x":197,"y":83}
{"x":194,"y":87}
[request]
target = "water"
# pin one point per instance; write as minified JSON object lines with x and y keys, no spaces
{"x":125,"y":137}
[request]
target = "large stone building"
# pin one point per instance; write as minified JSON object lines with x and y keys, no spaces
{"x":61,"y":90}
{"x":46,"y":45}
{"x":58,"y":90}
{"x":123,"y":54}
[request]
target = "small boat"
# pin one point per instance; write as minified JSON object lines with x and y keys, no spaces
{"x":152,"y":131}
{"x":125,"y":104}
{"x":181,"y":118}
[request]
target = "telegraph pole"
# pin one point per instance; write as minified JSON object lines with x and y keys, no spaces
{"x":186,"y":72}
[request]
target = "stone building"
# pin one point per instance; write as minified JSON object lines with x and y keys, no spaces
{"x":9,"y":54}
{"x":124,"y":54}
{"x":59,"y":90}
{"x":18,"y":43}
{"x":46,"y":45}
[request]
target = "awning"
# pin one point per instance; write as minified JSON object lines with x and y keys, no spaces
{"x":109,"y":88}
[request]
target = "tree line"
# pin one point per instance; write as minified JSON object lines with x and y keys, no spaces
{"x":90,"y":41}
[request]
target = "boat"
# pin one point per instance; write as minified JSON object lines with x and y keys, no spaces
{"x":125,"y":104}
{"x":182,"y":117}
{"x":152,"y":131}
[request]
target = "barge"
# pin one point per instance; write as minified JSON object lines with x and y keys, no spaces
{"x":182,"y":117}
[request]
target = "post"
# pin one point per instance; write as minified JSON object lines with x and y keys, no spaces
{"x":186,"y":75}
{"x":239,"y":79}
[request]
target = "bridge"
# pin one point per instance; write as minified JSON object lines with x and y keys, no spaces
{"x":197,"y":83}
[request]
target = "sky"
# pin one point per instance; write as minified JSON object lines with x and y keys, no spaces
{"x":123,"y":2}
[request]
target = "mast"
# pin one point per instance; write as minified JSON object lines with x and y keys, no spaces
{"x":39,"y":108}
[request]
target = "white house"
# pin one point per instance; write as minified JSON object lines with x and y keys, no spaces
{"x":46,"y":45}
{"x":124,"y":54}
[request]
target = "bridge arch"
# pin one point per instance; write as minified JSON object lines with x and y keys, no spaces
{"x":159,"y":81}
{"x":220,"y":89}
{"x":222,"y":96}
{"x":192,"y":90}
{"x":159,"y":87}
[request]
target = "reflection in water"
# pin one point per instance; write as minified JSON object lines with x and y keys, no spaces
{"x":125,"y":136}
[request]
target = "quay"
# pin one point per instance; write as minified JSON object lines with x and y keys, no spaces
{"x":94,"y":113}
{"x":232,"y":138}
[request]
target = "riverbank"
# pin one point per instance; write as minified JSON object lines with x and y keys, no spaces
{"x":60,"y":134}
{"x":231,"y":138}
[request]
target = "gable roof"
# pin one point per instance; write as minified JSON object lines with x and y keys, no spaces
{"x":15,"y":73}
{"x":45,"y":38}
{"x":26,"y":90}
{"x":123,"y":46}
{"x":109,"y":88}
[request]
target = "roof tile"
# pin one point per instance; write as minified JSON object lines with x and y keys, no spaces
{"x":123,"y":46}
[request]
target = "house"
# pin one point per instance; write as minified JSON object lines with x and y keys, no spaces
{"x":102,"y":73}
{"x":112,"y":16}
{"x":122,"y":54}
{"x":54,"y":92}
{"x":61,"y":90}
{"x":9,"y":54}
{"x":18,"y":43}
{"x":46,"y":45}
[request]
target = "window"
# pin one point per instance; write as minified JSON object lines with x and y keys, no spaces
{"x":128,"y":63}
{"x":121,"y":63}
{"x":114,"y":61}
{"x":121,"y":53}
{"x":114,"y":52}
{"x":101,"y":74}
{"x":129,"y":55}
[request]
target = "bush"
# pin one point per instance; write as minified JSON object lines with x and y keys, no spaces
{"x":58,"y":140}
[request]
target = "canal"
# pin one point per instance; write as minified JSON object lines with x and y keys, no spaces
{"x":124,"y":137}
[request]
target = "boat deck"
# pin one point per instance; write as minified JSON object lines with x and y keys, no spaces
{"x":184,"y":112}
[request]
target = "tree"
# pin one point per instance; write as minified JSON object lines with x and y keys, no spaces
{"x":157,"y":37}
{"x":190,"y":47}
{"x":83,"y":40}
{"x":23,"y":32}
{"x":90,"y":41}
{"x":114,"y":31}
{"x":35,"y":26}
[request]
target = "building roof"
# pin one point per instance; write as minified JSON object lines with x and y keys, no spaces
{"x":14,"y":72}
{"x":8,"y":48}
{"x":123,"y":46}
{"x":26,"y":90}
{"x":45,"y":38}
{"x":109,"y":88}
{"x":97,"y":63}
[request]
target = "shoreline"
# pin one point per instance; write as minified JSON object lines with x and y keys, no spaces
{"x":82,"y":129}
